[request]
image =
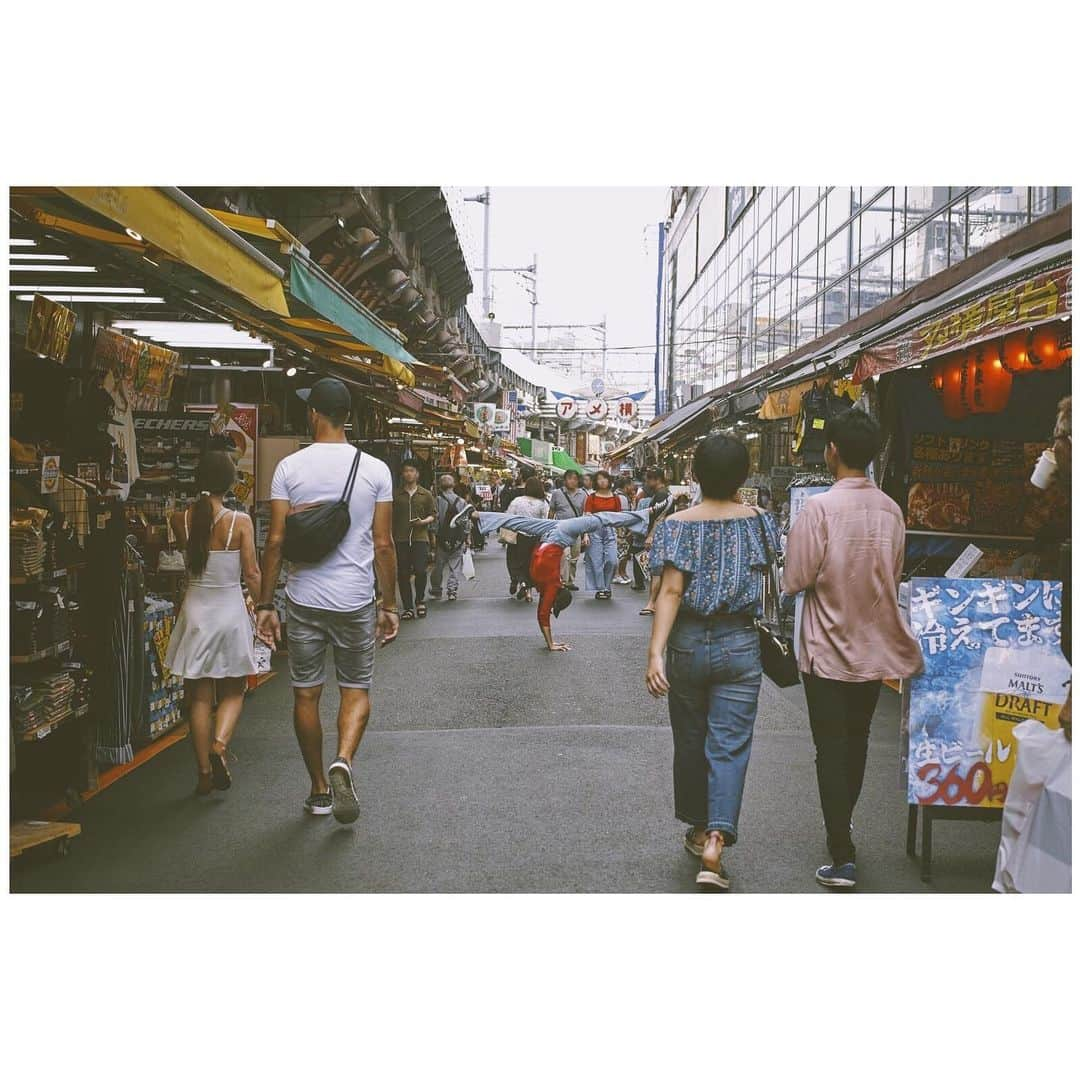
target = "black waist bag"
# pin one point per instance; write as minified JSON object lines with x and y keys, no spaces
{"x":312,"y":534}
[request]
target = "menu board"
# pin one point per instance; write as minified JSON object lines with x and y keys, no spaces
{"x":975,"y":485}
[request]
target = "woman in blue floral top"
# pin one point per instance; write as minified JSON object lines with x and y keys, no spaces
{"x":704,"y":652}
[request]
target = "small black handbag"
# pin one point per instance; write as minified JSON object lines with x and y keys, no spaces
{"x":313,"y":533}
{"x":777,"y":648}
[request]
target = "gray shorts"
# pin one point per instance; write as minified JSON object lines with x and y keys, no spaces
{"x":352,"y":633}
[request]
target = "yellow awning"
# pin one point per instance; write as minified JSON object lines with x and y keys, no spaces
{"x":264,"y":228}
{"x":168,"y":226}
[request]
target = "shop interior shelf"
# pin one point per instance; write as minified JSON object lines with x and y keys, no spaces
{"x":44,"y":654}
{"x":50,"y":726}
{"x":45,"y":575}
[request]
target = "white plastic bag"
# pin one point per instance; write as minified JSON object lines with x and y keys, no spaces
{"x":1035,"y":854}
{"x":468,"y":568}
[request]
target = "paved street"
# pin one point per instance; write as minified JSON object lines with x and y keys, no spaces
{"x":491,"y":765}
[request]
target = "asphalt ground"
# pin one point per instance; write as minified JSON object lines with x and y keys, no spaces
{"x":491,"y":765}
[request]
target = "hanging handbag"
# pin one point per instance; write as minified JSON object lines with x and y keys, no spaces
{"x":313,"y":533}
{"x":777,"y":649}
{"x":508,"y":536}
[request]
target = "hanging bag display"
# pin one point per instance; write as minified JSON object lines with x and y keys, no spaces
{"x":777,"y":649}
{"x":468,"y":567}
{"x":313,"y":533}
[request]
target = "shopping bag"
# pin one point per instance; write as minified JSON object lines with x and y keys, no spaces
{"x":1035,"y":853}
{"x":467,"y":566}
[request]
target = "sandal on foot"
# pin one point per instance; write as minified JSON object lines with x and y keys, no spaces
{"x":219,"y":770}
{"x":205,"y":785}
{"x":408,"y":615}
{"x":697,"y":850}
{"x":421,"y":611}
{"x":646,"y":611}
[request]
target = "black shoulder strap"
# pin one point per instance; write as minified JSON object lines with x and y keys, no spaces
{"x":346,"y":495}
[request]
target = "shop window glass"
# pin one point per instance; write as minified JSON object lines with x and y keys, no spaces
{"x":875,"y":283}
{"x":783,"y":261}
{"x":838,"y":254}
{"x":1042,"y":201}
{"x":808,"y":237}
{"x":921,"y":202}
{"x":808,"y":198}
{"x":838,"y":208}
{"x":876,"y":225}
{"x":785,"y":209}
{"x":710,"y":223}
{"x":925,"y":251}
{"x":835,"y":307}
{"x":1062,"y":197}
{"x":958,"y":229}
{"x":994,"y":213}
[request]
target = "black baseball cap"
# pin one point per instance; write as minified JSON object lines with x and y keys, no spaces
{"x":328,"y":397}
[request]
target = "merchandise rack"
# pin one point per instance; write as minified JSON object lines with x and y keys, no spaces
{"x":39,"y":732}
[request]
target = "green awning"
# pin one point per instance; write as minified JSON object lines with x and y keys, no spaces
{"x":562,"y":460}
{"x":312,"y":286}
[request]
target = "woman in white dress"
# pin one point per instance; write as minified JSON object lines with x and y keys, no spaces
{"x":531,"y":504}
{"x":213,"y":640}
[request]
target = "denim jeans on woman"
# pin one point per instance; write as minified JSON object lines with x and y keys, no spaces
{"x":714,"y":668}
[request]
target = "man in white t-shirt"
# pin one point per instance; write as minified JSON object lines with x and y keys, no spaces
{"x":332,"y":602}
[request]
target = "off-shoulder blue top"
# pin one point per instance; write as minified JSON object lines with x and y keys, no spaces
{"x":722,"y":560}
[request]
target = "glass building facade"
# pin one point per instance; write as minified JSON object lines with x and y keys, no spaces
{"x":752,"y":274}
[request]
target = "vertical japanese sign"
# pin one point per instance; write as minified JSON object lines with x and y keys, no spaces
{"x":992,"y":652}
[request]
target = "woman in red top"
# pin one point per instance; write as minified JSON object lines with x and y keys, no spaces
{"x":602,"y":554}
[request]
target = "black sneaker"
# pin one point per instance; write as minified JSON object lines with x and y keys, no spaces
{"x":319,"y":804}
{"x":346,"y":804}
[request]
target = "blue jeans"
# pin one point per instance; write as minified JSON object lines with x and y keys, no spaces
{"x":601,"y":560}
{"x":714,"y":668}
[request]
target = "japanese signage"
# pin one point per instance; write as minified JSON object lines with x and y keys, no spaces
{"x":596,"y":409}
{"x":49,"y":331}
{"x":566,"y":408}
{"x":502,"y":420}
{"x":975,"y":485}
{"x":50,"y":474}
{"x":1041,"y":298}
{"x":992,"y":653}
{"x":237,"y":427}
{"x":626,"y":408}
{"x":147,"y":369}
{"x":484,"y":414}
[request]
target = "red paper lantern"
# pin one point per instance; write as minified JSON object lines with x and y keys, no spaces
{"x":987,"y":384}
{"x":952,"y":396}
{"x":937,"y":377}
{"x":1014,"y":353}
{"x":1045,"y":348}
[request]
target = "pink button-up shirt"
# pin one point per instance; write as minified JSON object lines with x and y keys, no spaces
{"x":846,"y":550}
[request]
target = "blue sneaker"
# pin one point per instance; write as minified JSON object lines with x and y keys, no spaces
{"x":837,"y":877}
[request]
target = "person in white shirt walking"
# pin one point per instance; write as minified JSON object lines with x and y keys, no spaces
{"x":332,"y":601}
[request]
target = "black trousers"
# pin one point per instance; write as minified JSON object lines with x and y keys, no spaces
{"x":639,"y":574}
{"x":840,"y":714}
{"x":412,"y":561}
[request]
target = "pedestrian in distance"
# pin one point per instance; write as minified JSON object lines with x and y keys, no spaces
{"x":846,"y":552}
{"x":601,"y":555}
{"x":551,"y":538}
{"x":213,"y":641}
{"x":655,"y":493}
{"x":413,"y":517}
{"x":587,"y":483}
{"x":567,"y":503}
{"x":530,"y":504}
{"x":332,"y":601}
{"x":704,"y":652}
{"x":451,"y":539}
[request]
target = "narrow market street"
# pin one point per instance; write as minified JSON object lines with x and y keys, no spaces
{"x":490,"y":765}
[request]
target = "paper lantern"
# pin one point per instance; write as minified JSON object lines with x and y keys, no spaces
{"x":1045,"y":348}
{"x":987,"y":383}
{"x":1014,"y":353}
{"x":937,"y":377}
{"x":952,"y":396}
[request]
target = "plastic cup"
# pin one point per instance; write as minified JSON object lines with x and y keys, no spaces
{"x":1045,"y":468}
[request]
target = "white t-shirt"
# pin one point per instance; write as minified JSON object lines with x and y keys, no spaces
{"x":345,"y":579}
{"x":524,"y":506}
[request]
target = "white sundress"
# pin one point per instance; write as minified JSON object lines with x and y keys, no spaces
{"x":213,"y":637}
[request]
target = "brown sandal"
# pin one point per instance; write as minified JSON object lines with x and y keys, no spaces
{"x":218,"y":769}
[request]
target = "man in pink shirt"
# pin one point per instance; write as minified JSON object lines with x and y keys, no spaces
{"x":846,"y":551}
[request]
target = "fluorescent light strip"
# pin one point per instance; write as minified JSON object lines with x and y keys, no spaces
{"x":15,"y":242}
{"x":67,"y":268}
{"x":120,"y":300}
{"x":35,"y":256}
{"x":96,"y":289}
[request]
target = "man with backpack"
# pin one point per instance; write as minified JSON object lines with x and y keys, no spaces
{"x":331,"y":516}
{"x":451,"y":537}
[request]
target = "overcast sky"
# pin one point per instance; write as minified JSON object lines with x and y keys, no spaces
{"x":596,"y":251}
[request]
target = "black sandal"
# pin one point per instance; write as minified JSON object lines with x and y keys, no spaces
{"x":421,"y":611}
{"x":408,"y":615}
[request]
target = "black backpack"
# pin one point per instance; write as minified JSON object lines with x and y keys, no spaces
{"x":312,"y":534}
{"x":451,"y":537}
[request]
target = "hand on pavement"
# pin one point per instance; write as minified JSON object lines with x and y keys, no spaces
{"x":559,"y":646}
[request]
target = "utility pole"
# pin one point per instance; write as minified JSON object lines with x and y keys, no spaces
{"x":485,"y":201}
{"x":535,"y":301}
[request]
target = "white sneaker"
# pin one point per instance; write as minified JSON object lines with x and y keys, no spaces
{"x":620,"y":581}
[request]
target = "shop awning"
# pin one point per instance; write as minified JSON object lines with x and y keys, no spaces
{"x":563,"y":461}
{"x":1013,"y":294}
{"x":312,"y":286}
{"x":522,"y":459}
{"x":174,"y":224}
{"x":626,"y":447}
